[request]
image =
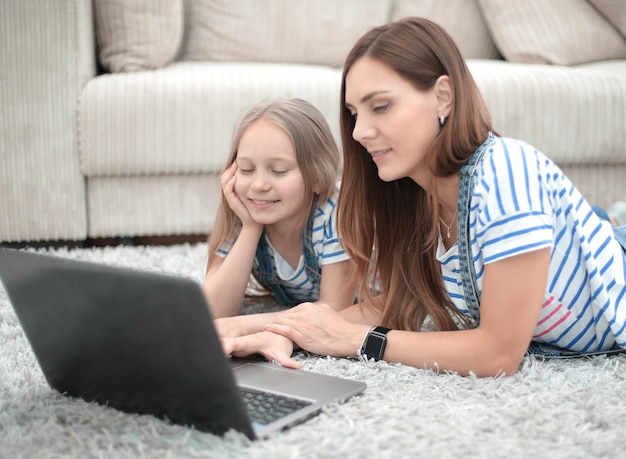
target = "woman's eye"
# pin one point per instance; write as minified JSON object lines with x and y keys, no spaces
{"x":381,"y":108}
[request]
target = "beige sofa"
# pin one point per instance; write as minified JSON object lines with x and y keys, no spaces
{"x":117,"y":114}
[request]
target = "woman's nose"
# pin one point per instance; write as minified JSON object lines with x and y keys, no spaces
{"x":362,"y":129}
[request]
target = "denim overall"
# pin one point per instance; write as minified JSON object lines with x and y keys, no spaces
{"x":266,"y":272}
{"x":468,"y":274}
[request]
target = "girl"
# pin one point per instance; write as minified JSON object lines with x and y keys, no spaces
{"x":473,"y":230}
{"x":277,"y":216}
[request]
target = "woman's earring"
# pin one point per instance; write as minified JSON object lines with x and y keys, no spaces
{"x":442,"y":120}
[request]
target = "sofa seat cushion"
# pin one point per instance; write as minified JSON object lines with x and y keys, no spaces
{"x":573,"y":115}
{"x":616,"y":66}
{"x":180,"y":119}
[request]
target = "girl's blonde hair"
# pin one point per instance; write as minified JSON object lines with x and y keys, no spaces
{"x":316,"y":151}
{"x":399,"y":218}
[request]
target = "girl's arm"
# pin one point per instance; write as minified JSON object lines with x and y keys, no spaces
{"x":232,"y":327}
{"x":338,"y":288}
{"x":512,"y":297}
{"x":226,"y":279}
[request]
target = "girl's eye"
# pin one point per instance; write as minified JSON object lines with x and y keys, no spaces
{"x":245,"y":171}
{"x":279,"y":172}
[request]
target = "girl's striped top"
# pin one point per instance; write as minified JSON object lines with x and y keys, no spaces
{"x":298,"y":284}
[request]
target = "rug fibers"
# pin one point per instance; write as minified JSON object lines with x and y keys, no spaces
{"x":550,"y":409}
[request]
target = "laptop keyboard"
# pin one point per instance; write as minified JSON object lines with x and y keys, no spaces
{"x":264,"y":408}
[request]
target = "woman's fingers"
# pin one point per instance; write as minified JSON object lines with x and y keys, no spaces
{"x":317,"y":328}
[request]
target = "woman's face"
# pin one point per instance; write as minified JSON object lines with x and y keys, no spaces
{"x":395,"y":122}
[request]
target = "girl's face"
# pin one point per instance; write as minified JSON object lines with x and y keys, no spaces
{"x":269,"y":181}
{"x":395,"y":122}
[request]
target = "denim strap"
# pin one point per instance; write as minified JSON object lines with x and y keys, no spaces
{"x":466,"y":261}
{"x":266,"y":272}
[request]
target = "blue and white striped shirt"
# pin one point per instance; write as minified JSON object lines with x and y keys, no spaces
{"x":522,"y":202}
{"x":326,"y":246}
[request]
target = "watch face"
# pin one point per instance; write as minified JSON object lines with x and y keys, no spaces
{"x":375,"y":346}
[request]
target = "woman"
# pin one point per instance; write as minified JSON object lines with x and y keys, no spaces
{"x":473,"y":230}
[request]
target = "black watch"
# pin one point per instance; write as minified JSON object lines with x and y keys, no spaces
{"x":374,"y":347}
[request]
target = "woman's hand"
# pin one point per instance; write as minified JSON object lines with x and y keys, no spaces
{"x":270,"y":345}
{"x":319,"y":329}
{"x":227,"y":182}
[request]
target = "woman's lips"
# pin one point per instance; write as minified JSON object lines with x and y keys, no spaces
{"x":379,"y":153}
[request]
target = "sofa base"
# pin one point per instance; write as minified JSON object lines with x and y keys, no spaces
{"x":152,"y":205}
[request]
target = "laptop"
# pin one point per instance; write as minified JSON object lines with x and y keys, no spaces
{"x":145,"y":343}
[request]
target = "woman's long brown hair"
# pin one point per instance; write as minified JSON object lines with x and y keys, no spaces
{"x":399,"y":218}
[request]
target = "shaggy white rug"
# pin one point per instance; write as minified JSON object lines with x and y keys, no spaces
{"x":566,"y":408}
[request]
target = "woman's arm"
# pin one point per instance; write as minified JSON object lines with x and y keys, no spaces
{"x":512,"y":297}
{"x":511,"y":301}
{"x":226,"y":279}
{"x":338,"y":288}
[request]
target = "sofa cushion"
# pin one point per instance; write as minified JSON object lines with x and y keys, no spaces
{"x":613,"y":11}
{"x":462,"y":19}
{"x":563,"y":32}
{"x":137,"y":34}
{"x":178,"y":120}
{"x":535,"y":103}
{"x":617,"y":66}
{"x":306,"y":32}
{"x":152,"y":205}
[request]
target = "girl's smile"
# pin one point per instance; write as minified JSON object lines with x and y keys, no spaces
{"x":263,"y":204}
{"x":269,"y":181}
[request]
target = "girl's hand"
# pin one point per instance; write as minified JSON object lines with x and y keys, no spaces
{"x":227,"y":182}
{"x":319,"y":329}
{"x":247,"y":324}
{"x":270,"y":345}
{"x":228,"y":327}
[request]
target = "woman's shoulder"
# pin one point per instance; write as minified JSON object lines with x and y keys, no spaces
{"x":509,"y":146}
{"x":513,"y":172}
{"x":515,"y":155}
